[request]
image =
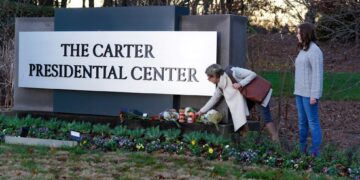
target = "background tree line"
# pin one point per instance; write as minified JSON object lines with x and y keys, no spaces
{"x":335,"y":19}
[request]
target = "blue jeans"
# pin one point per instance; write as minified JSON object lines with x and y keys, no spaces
{"x":308,"y":119}
{"x":265,"y":111}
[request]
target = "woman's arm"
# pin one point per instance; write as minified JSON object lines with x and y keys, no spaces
{"x":212,"y":101}
{"x":316,"y":63}
{"x":243,"y":76}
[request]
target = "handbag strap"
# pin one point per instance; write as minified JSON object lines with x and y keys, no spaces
{"x":229,"y":72}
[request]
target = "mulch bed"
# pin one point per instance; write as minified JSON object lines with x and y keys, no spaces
{"x":339,"y":122}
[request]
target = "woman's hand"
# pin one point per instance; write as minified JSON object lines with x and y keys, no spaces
{"x":199,"y":113}
{"x":237,"y":86}
{"x":313,"y":101}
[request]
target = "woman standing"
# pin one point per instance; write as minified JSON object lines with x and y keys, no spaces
{"x":308,"y":87}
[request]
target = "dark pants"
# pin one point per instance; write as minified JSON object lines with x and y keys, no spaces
{"x":265,"y":111}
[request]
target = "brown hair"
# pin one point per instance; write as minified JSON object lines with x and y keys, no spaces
{"x":307,"y":34}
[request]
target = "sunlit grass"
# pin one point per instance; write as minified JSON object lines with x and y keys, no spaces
{"x":337,"y":86}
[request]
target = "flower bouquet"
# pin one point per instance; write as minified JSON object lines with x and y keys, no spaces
{"x":190,"y":115}
{"x":170,"y":115}
{"x":211,"y":117}
{"x":131,"y":114}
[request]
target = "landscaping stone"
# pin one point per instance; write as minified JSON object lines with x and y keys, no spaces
{"x":39,"y":142}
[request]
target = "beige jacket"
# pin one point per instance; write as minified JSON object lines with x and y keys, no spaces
{"x":243,"y":77}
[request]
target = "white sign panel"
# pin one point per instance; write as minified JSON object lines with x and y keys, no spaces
{"x":158,"y":62}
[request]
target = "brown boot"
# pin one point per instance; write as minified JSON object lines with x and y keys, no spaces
{"x":272,"y":130}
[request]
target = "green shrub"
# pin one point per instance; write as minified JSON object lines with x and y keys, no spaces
{"x":101,"y":129}
{"x":53,"y":124}
{"x":32,"y":122}
{"x":319,"y":164}
{"x":171,"y":135}
{"x":193,"y":137}
{"x":327,"y":153}
{"x":352,"y":155}
{"x":251,"y":141}
{"x":216,"y":140}
{"x":120,"y":131}
{"x":136,"y":133}
{"x":110,"y":145}
{"x":11,"y":125}
{"x":152,"y":133}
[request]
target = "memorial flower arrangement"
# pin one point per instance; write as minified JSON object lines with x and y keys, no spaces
{"x":190,"y":115}
{"x":211,"y":117}
{"x":183,"y":115}
{"x":170,"y":115}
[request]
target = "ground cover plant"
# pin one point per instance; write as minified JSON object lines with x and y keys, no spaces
{"x":254,"y":150}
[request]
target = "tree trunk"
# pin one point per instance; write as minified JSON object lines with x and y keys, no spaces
{"x":242,"y":7}
{"x":222,"y":7}
{"x":124,"y":3}
{"x":207,"y":4}
{"x":311,"y":12}
{"x":63,"y":3}
{"x":229,"y":6}
{"x":48,"y":3}
{"x":91,"y":3}
{"x":108,"y":3}
{"x":194,"y":7}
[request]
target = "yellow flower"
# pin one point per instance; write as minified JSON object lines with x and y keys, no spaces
{"x":83,"y":142}
{"x":193,"y":142}
{"x":211,"y":150}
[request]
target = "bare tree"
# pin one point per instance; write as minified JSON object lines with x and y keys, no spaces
{"x":108,"y":3}
{"x":46,"y":2}
{"x":91,"y":3}
{"x":340,"y":20}
{"x":7,"y":73}
{"x":310,"y":14}
{"x":63,"y":3}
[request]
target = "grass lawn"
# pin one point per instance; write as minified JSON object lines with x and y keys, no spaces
{"x":337,"y":86}
{"x":19,"y":162}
